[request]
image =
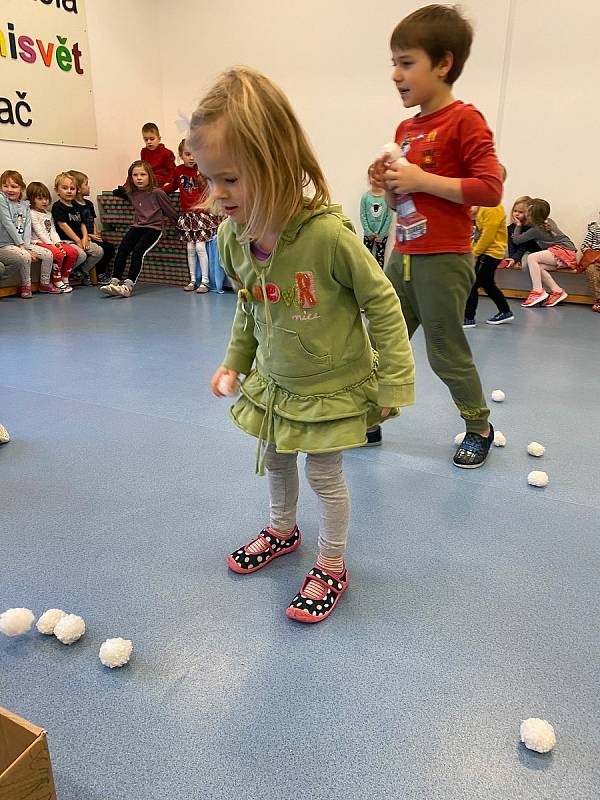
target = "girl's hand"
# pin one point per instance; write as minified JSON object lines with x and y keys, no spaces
{"x":230,"y":374}
{"x":385,"y":412}
{"x":404,"y":179}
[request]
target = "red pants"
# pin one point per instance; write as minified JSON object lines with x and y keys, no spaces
{"x":64,"y":260}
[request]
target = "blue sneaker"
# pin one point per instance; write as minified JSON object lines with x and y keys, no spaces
{"x":500,"y":318}
{"x":469,"y":323}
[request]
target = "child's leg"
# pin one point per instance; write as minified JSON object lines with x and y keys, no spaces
{"x":94,"y":254}
{"x":124,"y":250}
{"x":191,"y":259}
{"x":473,"y":298}
{"x":282,"y":472}
{"x":485,"y":279}
{"x":17,"y":258}
{"x":326,"y":478}
{"x":108,"y":251}
{"x":380,"y":251}
{"x":539,"y":275}
{"x":57,"y":260}
{"x":593,"y":276}
{"x":203,"y":259}
{"x":45,"y":256}
{"x":440,"y":285}
{"x":72,"y":256}
{"x":395,"y":272}
{"x":148,"y":238}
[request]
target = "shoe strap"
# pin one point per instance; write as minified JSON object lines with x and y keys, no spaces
{"x":319,"y":575}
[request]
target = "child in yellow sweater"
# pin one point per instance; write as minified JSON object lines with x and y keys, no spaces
{"x":489,"y":248}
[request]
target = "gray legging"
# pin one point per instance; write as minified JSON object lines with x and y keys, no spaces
{"x":325,"y":476}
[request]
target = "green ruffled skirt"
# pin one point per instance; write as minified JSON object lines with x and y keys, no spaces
{"x":319,"y":423}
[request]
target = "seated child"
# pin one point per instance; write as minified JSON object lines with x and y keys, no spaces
{"x":88,"y":215}
{"x":590,"y":261}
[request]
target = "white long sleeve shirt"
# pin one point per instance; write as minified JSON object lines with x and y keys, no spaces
{"x":42,"y":226}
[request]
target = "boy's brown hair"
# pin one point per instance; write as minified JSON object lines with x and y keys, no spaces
{"x":79,"y":177}
{"x":150,"y":127}
{"x":14,"y":176}
{"x":129,"y":184}
{"x":36,"y":189}
{"x":437,"y":30}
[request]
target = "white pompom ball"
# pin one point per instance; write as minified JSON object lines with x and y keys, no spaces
{"x":499,"y":439}
{"x":115,"y":652}
{"x":536,"y":449}
{"x":538,"y":735}
{"x":47,"y":622}
{"x":16,"y":621}
{"x":536,"y":478}
{"x":69,"y":629}
{"x":224,"y":386}
{"x":498,"y":396}
{"x":4,"y":435}
{"x":459,"y":437}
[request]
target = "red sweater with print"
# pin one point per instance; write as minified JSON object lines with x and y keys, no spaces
{"x":454,"y":142}
{"x":162,"y":162}
{"x":191,"y":184}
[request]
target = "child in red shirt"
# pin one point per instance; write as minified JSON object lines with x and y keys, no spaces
{"x":452,"y":166}
{"x":196,"y":224}
{"x":160,"y":158}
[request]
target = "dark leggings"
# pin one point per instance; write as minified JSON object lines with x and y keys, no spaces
{"x":136,"y":242}
{"x":485,"y":267}
{"x":379,"y":249}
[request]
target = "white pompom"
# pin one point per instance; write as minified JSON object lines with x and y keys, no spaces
{"x":499,"y":439}
{"x":538,"y":735}
{"x":536,"y":478}
{"x":225,"y":386}
{"x":536,"y":449}
{"x":459,"y":437}
{"x":69,"y":629}
{"x":498,"y":396}
{"x":47,"y":622}
{"x":4,"y":435}
{"x":16,"y":621}
{"x":115,"y":652}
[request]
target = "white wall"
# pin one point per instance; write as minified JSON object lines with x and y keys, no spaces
{"x":333,"y":61}
{"x":127,"y":93}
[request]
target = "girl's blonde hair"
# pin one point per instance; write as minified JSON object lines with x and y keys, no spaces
{"x":524,"y":200}
{"x":268,"y":146}
{"x":63,"y":176}
{"x":539,"y":211}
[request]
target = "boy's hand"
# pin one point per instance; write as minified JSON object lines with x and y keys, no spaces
{"x":95,"y":238}
{"x":404,"y":179}
{"x":222,"y":372}
{"x":85,"y":242}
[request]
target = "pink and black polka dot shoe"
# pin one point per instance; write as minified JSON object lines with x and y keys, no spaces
{"x":243,"y":561}
{"x":309,"y":609}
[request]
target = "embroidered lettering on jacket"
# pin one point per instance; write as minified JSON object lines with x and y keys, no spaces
{"x":305,"y":290}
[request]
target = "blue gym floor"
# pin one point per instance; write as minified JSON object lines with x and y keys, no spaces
{"x":473,"y":604}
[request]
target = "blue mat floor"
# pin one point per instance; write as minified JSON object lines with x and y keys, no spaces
{"x":474,"y":599}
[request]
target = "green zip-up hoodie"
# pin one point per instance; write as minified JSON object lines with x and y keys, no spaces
{"x":298,"y":316}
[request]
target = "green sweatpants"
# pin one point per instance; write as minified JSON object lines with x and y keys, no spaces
{"x":433,"y":290}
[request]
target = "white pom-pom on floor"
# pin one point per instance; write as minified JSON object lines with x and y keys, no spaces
{"x":69,"y":629}
{"x":499,"y":439}
{"x":537,"y":478}
{"x":225,"y":386}
{"x":459,"y":437}
{"x":498,"y":396}
{"x":538,"y":735}
{"x":536,"y":449}
{"x":16,"y":621}
{"x":47,"y":622}
{"x":115,"y":652}
{"x":4,"y":435}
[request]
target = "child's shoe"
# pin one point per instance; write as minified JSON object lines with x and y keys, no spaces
{"x":500,"y":318}
{"x":374,"y":437}
{"x":596,"y":307}
{"x":469,"y":323}
{"x":126,"y":288}
{"x":86,"y":280}
{"x":191,"y":287}
{"x":311,"y":609}
{"x":473,"y":450}
{"x":103,"y":279}
{"x":26,"y":291}
{"x":535,"y":298}
{"x":48,"y":288}
{"x":66,"y":288}
{"x":258,"y":552}
{"x":555,"y":298}
{"x":111,"y":287}
{"x":202,"y":289}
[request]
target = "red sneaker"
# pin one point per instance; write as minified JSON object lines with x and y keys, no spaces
{"x":555,"y":298}
{"x":535,"y":298}
{"x":26,"y":291}
{"x":49,"y":288}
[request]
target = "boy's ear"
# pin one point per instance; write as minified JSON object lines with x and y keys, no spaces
{"x":444,"y":65}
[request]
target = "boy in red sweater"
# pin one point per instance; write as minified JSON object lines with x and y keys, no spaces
{"x":161,"y":159}
{"x":452,"y":166}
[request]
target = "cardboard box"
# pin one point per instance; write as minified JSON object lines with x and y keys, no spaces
{"x":25,"y":769}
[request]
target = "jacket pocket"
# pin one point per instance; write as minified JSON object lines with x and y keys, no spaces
{"x":288,"y":356}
